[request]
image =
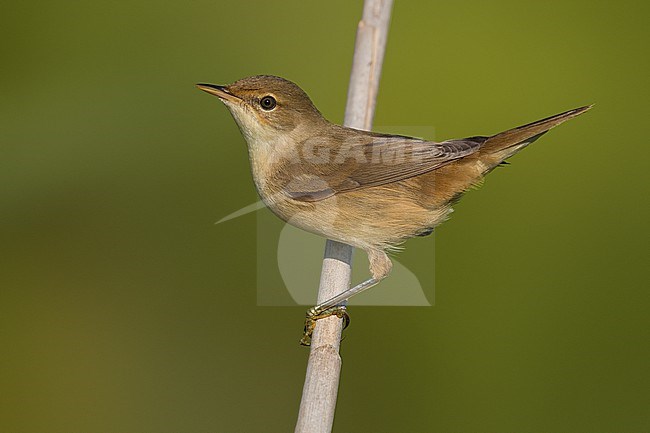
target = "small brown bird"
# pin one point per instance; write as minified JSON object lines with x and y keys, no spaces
{"x":369,"y":190}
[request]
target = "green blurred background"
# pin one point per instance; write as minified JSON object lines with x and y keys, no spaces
{"x":123,"y":308}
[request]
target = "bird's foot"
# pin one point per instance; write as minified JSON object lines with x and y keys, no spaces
{"x":314,"y":314}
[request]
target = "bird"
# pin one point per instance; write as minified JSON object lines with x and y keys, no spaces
{"x":366,"y":189}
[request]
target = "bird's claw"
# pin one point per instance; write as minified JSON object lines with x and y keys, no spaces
{"x":314,"y":314}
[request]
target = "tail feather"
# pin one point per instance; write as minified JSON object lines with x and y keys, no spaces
{"x":446,"y":184}
{"x":526,"y":134}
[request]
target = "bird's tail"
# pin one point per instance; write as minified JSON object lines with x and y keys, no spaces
{"x":505,"y":144}
{"x":452,"y":180}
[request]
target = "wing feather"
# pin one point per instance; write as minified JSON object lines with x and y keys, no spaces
{"x":368,"y":159}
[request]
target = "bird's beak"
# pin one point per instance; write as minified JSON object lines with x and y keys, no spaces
{"x":221,"y":92}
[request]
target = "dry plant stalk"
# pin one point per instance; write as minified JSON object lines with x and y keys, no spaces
{"x":320,"y":391}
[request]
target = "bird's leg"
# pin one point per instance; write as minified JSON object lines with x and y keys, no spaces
{"x":380,"y":266}
{"x":342,"y":297}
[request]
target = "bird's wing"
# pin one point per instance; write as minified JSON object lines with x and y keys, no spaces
{"x":364,"y":160}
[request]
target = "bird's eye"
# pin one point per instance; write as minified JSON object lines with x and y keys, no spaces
{"x":268,"y":103}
